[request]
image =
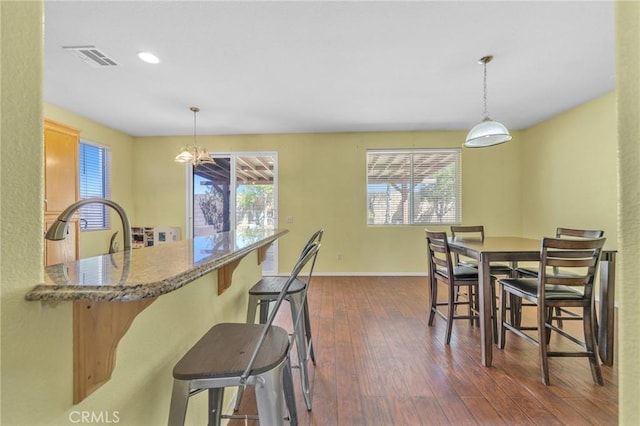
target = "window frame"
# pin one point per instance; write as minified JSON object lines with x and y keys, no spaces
{"x":414,"y":176}
{"x":101,"y":210}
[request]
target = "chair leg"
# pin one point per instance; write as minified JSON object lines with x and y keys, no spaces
{"x":591,"y":345}
{"x":547,"y":330}
{"x":503,"y":313}
{"x":270,"y":396}
{"x":216,"y":395}
{"x":542,"y":344}
{"x":515,"y":310}
{"x":179,"y":402}
{"x":450,"y":313}
{"x":494,"y":312}
{"x":472,"y":298}
{"x":433,"y":287}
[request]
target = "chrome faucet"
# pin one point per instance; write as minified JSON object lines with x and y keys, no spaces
{"x":58,"y":230}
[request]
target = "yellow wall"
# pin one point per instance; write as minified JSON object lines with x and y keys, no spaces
{"x":570,"y":171}
{"x":628,"y":76}
{"x":322,"y":183}
{"x":36,"y":359}
{"x":93,"y":243}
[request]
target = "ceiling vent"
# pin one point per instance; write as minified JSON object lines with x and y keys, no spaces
{"x":91,"y":55}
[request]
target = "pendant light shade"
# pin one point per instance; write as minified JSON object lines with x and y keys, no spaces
{"x":487,"y":132}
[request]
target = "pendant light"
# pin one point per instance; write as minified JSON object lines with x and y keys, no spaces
{"x":487,"y":132}
{"x":194,"y":154}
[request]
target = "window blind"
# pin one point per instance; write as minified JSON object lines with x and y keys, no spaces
{"x":406,"y":187}
{"x":95,"y":179}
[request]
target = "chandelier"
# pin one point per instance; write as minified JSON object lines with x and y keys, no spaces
{"x":487,"y":132}
{"x":194,"y":154}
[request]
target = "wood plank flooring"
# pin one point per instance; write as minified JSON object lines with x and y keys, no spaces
{"x":378,"y":363}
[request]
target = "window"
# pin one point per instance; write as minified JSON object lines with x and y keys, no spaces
{"x":95,"y":164}
{"x":406,"y":187}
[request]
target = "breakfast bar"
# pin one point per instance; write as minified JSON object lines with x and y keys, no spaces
{"x":109,"y":291}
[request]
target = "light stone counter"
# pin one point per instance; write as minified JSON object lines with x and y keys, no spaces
{"x":149,"y":272}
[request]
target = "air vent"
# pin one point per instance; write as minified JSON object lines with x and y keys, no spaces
{"x":91,"y":55}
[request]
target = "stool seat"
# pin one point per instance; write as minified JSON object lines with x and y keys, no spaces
{"x":233,"y":344}
{"x":272,"y":286}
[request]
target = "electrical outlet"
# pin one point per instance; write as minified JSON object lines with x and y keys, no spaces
{"x":289,"y":219}
{"x":339,"y":256}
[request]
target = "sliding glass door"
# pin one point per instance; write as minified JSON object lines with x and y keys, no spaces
{"x":238,"y":191}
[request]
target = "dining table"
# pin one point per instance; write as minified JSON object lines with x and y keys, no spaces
{"x":518,"y":249}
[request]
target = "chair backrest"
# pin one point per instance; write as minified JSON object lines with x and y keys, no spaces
{"x":466,"y":232}
{"x":579,"y":233}
{"x":307,"y":255}
{"x":569,"y":262}
{"x":439,"y":254}
{"x":316,"y":237}
{"x":469,"y":231}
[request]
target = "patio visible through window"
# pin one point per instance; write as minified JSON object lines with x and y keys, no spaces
{"x":406,"y":187}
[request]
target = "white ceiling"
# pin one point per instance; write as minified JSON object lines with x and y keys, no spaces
{"x":309,"y":66}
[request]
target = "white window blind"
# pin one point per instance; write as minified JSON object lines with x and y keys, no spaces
{"x":406,"y":187}
{"x":95,"y":164}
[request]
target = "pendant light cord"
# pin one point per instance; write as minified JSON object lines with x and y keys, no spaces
{"x":195,"y":114}
{"x":486,"y":111}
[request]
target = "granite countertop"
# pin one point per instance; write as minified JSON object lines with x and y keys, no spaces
{"x":148,"y":272}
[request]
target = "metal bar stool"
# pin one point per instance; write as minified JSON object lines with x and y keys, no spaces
{"x":239,"y":354}
{"x":266,"y":291}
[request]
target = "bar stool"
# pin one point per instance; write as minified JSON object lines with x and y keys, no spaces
{"x":239,"y":354}
{"x":266,"y":291}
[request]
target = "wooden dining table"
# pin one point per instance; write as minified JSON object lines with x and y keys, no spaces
{"x":516,"y":249}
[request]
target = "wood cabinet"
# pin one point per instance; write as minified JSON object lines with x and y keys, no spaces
{"x":61,"y":187}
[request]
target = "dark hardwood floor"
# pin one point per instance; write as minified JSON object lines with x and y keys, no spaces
{"x":378,"y":363}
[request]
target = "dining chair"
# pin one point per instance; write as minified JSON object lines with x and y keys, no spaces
{"x":467,"y":232}
{"x":561,"y":314}
{"x":443,"y":270}
{"x":239,"y":354}
{"x":475,"y":231}
{"x":565,"y":279}
{"x":266,"y":291}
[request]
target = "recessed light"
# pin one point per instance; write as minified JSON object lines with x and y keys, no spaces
{"x":148,"y":57}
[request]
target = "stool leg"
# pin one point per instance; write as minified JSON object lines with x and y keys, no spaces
{"x":264,"y":311}
{"x":289,"y":393}
{"x":307,"y":324}
{"x":295,"y":300}
{"x":216,"y":396}
{"x":251,"y":319}
{"x":251,"y":309}
{"x":270,"y":396}
{"x":179,"y":401}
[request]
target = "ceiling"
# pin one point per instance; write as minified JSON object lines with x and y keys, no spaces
{"x":311,"y":66}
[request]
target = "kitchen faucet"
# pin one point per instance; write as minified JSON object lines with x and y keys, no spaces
{"x":58,"y":230}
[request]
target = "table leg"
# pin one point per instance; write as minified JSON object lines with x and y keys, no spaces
{"x":606,"y":327}
{"x":486,"y":334}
